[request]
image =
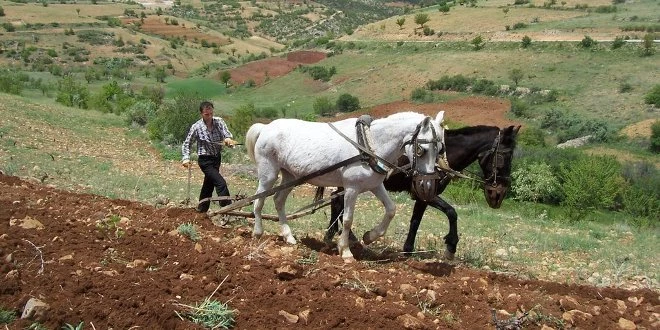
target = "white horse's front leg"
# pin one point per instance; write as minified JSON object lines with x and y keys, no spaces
{"x":390,"y":210}
{"x":343,"y":244}
{"x":265,"y":183}
{"x":258,"y":226}
{"x":280,"y":202}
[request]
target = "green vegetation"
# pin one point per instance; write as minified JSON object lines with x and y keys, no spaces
{"x":189,"y":230}
{"x":210,"y":313}
{"x":7,"y":316}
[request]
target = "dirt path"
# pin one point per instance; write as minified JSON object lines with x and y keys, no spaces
{"x":135,"y":274}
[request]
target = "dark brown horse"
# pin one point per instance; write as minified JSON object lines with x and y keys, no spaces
{"x":491,"y":146}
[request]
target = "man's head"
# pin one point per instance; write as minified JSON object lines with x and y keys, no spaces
{"x":206,"y":110}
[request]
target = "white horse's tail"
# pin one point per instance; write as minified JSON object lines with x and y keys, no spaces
{"x":251,"y":138}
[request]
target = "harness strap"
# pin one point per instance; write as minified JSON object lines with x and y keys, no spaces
{"x":364,"y":139}
{"x":286,"y":185}
{"x":363,"y":149}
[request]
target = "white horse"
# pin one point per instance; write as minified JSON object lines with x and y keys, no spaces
{"x":296,"y":148}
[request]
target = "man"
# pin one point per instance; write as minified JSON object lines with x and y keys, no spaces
{"x":210,"y":134}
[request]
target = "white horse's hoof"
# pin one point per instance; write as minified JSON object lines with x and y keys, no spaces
{"x":290,"y":240}
{"x":349,"y":260}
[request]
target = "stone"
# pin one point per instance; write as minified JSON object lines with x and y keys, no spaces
{"x":410,"y":322}
{"x":626,"y":324}
{"x":35,"y":309}
{"x":291,"y":318}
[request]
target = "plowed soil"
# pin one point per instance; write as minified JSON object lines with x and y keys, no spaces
{"x":140,"y":272}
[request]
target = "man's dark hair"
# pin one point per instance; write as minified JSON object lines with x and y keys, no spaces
{"x":205,"y":104}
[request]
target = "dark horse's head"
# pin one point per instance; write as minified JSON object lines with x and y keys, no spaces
{"x":496,"y":166}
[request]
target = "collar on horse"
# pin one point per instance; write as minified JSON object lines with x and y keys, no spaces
{"x":376,"y":162}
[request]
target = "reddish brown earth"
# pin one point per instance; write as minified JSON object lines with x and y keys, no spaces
{"x":477,"y":110}
{"x":258,"y":71}
{"x":138,"y":278}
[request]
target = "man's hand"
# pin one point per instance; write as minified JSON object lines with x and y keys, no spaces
{"x":186,"y":163}
{"x":229,"y":142}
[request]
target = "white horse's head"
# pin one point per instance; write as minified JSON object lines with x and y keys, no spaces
{"x":423,"y":150}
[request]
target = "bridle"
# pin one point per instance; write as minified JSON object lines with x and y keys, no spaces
{"x":497,"y":153}
{"x":423,"y":184}
{"x":415,"y":140}
{"x":418,"y":151}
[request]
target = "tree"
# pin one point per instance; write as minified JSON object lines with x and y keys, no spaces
{"x":648,"y":45}
{"x":2,"y":11}
{"x":444,"y":8}
{"x":347,"y":103}
{"x":590,"y":183}
{"x":160,"y":74}
{"x":526,"y":41}
{"x":78,"y":11}
{"x":159,"y":11}
{"x":478,"y":42}
{"x":421,"y":19}
{"x":225,"y":76}
{"x":516,"y":75}
{"x":400,"y":22}
{"x":655,"y":137}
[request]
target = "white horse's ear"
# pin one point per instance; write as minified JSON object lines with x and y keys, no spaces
{"x":440,"y":118}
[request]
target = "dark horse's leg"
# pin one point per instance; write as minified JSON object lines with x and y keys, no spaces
{"x":336,"y":210}
{"x":451,"y":239}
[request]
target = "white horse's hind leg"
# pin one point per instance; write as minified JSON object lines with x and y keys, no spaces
{"x":343,"y":244}
{"x":390,"y":210}
{"x":280,"y":203}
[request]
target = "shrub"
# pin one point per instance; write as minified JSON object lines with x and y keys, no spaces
{"x":526,"y":41}
{"x":531,"y":136}
{"x":174,"y":118}
{"x":72,"y":93}
{"x":655,"y":137}
{"x":519,"y":108}
{"x":347,"y":103}
{"x":141,"y":112}
{"x":418,"y":94}
{"x":590,"y":183}
{"x":587,"y":42}
{"x":642,"y":198}
{"x":242,"y":119}
{"x":534,"y":182}
{"x":8,"y":27}
{"x":618,"y":43}
{"x":653,"y":97}
{"x":323,"y":107}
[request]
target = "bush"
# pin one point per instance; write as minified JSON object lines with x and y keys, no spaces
{"x":653,"y":97}
{"x":519,"y":108}
{"x":526,"y":41}
{"x":323,"y":107}
{"x":347,"y":103}
{"x":72,"y":93}
{"x":590,"y":183}
{"x":141,"y":112}
{"x":241,"y":121}
{"x":642,"y":198}
{"x":534,"y":182}
{"x":174,"y":118}
{"x":587,"y":42}
{"x":618,"y":43}
{"x":531,"y":136}
{"x":655,"y":137}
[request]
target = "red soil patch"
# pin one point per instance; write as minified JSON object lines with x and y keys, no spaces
{"x":156,"y":25}
{"x":258,"y":71}
{"x":467,"y":111}
{"x":138,"y":278}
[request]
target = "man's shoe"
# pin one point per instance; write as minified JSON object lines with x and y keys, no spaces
{"x":200,"y":210}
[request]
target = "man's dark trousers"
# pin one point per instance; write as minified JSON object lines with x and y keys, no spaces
{"x":210,"y":165}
